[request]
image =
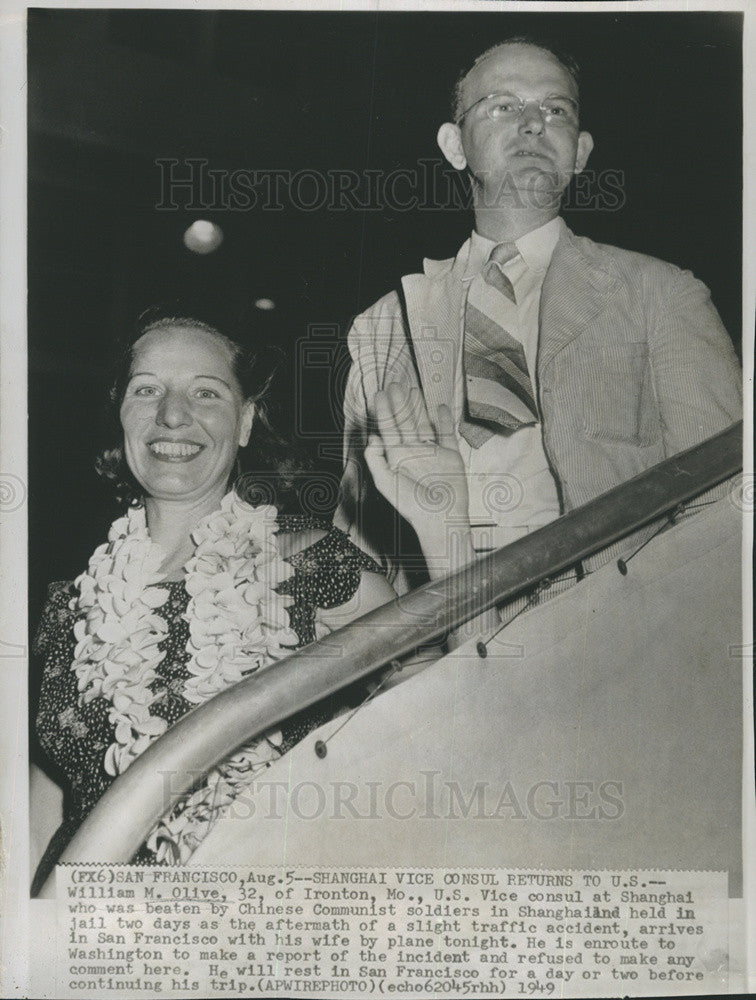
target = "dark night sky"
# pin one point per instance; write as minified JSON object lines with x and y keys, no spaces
{"x":113,"y":92}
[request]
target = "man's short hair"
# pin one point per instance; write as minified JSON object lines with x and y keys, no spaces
{"x":566,"y":59}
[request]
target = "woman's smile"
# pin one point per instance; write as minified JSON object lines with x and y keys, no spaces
{"x":174,"y":451}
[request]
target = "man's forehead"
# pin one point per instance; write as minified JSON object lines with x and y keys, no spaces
{"x":522,"y":64}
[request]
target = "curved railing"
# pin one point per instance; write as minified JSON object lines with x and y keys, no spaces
{"x":132,"y":805}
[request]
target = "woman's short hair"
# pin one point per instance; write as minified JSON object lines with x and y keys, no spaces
{"x":266,"y":469}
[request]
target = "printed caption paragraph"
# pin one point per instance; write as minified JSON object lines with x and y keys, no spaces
{"x":355,"y":932}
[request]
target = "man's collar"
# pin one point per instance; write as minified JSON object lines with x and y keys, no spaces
{"x":535,"y":248}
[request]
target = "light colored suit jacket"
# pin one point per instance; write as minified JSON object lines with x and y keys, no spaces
{"x":634,"y":365}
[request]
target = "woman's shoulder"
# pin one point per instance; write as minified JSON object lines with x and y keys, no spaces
{"x":330,"y":571}
{"x":299,"y":532}
{"x":309,"y":542}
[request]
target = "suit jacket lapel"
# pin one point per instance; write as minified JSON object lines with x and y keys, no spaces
{"x":435,"y":301}
{"x":577,"y":288}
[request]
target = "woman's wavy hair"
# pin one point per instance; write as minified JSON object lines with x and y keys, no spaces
{"x":268,"y":470}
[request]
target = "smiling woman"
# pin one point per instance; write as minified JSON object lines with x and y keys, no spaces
{"x":195,"y":588}
{"x":184,"y":417}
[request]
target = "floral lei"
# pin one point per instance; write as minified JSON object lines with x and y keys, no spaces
{"x":237,"y":625}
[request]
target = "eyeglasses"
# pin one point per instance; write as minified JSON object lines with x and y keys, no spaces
{"x":556,"y":109}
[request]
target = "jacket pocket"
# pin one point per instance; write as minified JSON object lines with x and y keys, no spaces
{"x":618,"y":401}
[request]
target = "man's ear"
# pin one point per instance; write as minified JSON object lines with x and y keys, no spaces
{"x":584,"y":147}
{"x":449,"y":141}
{"x":248,"y":418}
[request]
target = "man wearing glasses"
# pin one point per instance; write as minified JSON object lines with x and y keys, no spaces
{"x":565,"y":367}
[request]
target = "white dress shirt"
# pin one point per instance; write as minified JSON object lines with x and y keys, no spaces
{"x":511,"y":487}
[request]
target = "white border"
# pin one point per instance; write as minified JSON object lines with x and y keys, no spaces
{"x":749,"y":312}
{"x":14,"y":895}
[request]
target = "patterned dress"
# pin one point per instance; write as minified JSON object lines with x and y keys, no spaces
{"x":75,"y":737}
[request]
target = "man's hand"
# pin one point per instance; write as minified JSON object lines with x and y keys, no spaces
{"x":419,"y":470}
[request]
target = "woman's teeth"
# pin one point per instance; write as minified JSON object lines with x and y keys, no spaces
{"x":179,"y":449}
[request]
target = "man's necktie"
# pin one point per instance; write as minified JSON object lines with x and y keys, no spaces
{"x":499,"y":393}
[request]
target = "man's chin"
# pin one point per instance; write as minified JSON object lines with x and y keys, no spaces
{"x":531,"y":186}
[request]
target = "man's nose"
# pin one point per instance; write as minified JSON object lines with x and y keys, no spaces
{"x":532,"y":119}
{"x":173,"y":410}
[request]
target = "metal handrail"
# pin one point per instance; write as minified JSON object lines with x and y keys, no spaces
{"x":128,"y":810}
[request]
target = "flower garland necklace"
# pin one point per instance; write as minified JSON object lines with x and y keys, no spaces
{"x":237,"y":624}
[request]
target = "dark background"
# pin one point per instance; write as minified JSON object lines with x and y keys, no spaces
{"x":111,"y":92}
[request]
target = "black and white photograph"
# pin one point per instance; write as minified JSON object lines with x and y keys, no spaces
{"x":374,"y":500}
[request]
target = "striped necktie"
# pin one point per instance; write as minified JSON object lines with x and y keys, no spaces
{"x":499,"y":393}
